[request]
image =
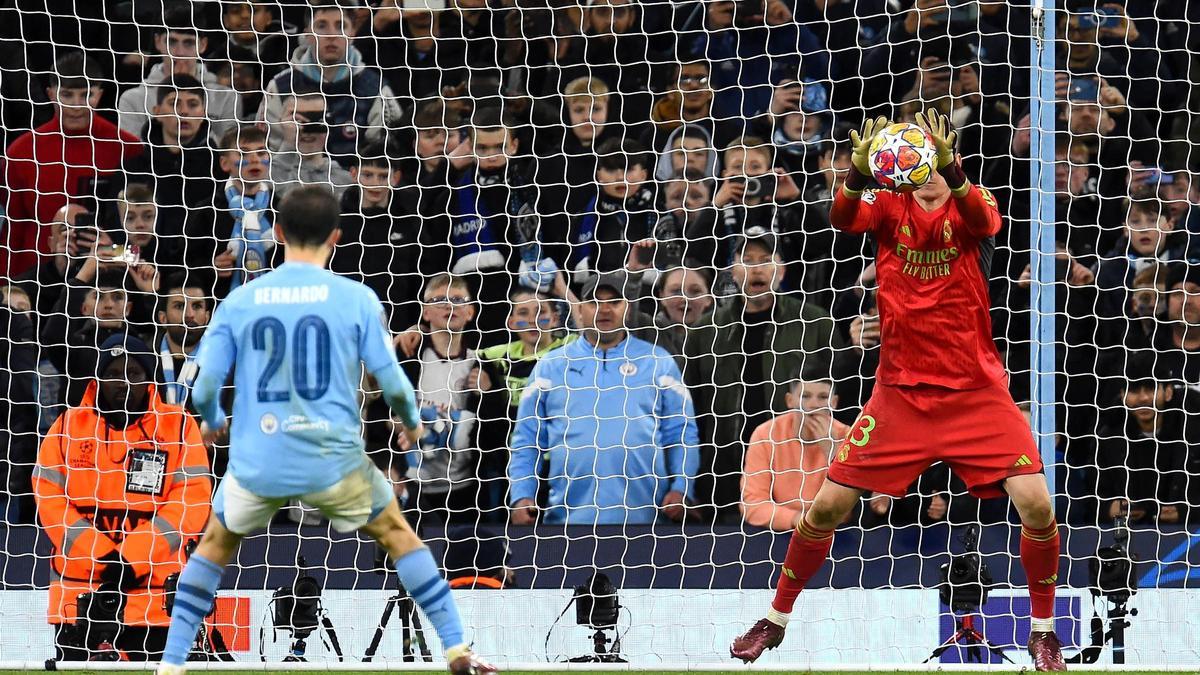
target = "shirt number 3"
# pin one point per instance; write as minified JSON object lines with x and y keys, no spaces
{"x":866,"y":424}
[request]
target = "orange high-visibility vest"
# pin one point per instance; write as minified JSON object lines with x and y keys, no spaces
{"x":475,"y":582}
{"x":141,"y":491}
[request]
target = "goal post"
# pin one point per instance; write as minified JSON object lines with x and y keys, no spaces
{"x":1042,"y":362}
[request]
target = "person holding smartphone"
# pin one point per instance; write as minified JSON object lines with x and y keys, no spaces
{"x":754,"y":194}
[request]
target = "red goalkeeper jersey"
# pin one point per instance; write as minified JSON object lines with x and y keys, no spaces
{"x":933,"y":301}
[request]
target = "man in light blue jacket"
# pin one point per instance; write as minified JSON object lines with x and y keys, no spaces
{"x":610,"y":415}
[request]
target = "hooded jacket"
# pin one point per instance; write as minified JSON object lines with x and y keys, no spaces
{"x":222,"y":104}
{"x":357,"y":100}
{"x":665,"y":171}
{"x":105,"y":494}
{"x":616,"y":428}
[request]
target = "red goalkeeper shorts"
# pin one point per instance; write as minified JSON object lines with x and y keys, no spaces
{"x":980,"y":434}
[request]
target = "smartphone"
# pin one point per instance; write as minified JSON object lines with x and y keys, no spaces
{"x":868,"y":301}
{"x":1157,"y":177}
{"x":314,"y":128}
{"x":761,"y":186}
{"x":645,"y":254}
{"x":1107,"y":17}
{"x":1104,"y":17}
{"x":1085,"y":89}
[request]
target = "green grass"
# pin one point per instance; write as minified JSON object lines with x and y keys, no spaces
{"x":575,"y":673}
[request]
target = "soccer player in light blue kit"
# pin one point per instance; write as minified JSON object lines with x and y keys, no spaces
{"x":300,"y":337}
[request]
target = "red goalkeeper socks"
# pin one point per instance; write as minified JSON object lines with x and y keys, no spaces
{"x":1039,"y":557}
{"x":806,"y":553}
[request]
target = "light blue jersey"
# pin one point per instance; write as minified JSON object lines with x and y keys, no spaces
{"x":297,"y":337}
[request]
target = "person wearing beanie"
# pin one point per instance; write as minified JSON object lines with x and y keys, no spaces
{"x":122,"y":481}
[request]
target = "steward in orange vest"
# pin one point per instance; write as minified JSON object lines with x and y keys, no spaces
{"x":122,"y":481}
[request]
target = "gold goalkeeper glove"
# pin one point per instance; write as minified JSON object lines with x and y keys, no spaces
{"x":945,"y":139}
{"x":860,"y":156}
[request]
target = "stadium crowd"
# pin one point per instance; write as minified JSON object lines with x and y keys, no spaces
{"x":601,"y":234}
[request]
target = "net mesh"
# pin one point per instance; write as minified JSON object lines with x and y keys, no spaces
{"x":494,"y":159}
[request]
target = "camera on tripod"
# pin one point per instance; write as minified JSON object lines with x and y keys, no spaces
{"x":1112,"y":571}
{"x":208,"y":646}
{"x":1112,"y":575}
{"x":97,"y":622}
{"x":966,"y":579}
{"x":298,"y":611}
{"x":597,"y":607}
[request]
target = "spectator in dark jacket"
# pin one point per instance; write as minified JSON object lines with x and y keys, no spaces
{"x":382,"y":244}
{"x":95,"y":307}
{"x":621,"y":214}
{"x":1149,"y":240}
{"x":755,"y":195}
{"x":46,"y":283}
{"x":146,"y":229}
{"x":18,"y":412}
{"x":738,"y":368}
{"x":360,"y":104}
{"x":1143,"y":451}
{"x":180,"y":163}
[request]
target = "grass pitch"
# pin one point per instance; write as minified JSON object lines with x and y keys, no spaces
{"x":951,"y":669}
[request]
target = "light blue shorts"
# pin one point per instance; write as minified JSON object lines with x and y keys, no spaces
{"x":349,"y":504}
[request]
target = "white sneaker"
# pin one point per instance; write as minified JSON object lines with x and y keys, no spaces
{"x":168,"y":669}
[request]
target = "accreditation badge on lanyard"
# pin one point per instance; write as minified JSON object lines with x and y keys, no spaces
{"x":176,"y":386}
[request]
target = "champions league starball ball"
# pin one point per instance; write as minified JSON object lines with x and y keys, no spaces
{"x":903,"y":157}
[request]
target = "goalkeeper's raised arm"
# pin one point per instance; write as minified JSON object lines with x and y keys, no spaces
{"x":857,"y":210}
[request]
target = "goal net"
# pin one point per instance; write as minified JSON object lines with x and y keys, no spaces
{"x":601,"y":233}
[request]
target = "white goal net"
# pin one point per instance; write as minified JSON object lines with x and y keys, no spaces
{"x":524,"y":179}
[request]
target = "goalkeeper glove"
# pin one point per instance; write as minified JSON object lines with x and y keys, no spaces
{"x":860,"y":155}
{"x":945,"y":138}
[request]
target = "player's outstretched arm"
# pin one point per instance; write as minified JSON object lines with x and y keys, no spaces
{"x":979,"y":210}
{"x":849,"y":213}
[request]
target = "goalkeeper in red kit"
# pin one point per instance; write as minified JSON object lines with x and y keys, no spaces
{"x":941,"y":391}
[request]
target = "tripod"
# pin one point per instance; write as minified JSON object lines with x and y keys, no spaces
{"x":300,"y":641}
{"x":411,"y":633}
{"x":967,"y":635}
{"x":209,"y":646}
{"x":602,"y":654}
{"x":1117,"y":623}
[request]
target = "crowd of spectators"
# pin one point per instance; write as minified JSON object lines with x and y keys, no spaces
{"x":600,"y":232}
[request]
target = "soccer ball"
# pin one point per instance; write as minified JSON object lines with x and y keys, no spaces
{"x":903,"y":157}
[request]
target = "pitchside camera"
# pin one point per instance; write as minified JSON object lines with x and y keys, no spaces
{"x":298,"y":611}
{"x":98,"y":622}
{"x":1112,"y":571}
{"x":596,"y":603}
{"x":964,"y":588}
{"x":1112,"y":575}
{"x":965,"y":579}
{"x":596,"y":607}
